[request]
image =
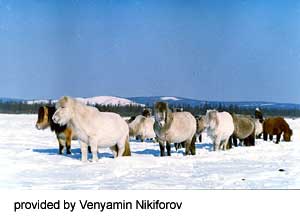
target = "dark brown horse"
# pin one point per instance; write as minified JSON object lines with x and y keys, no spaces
{"x":277,"y":126}
{"x":146,"y":112}
{"x":64,"y":134}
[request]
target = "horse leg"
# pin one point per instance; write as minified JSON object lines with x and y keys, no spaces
{"x":187,"y":147}
{"x":83,"y":146}
{"x":61,"y":143}
{"x":259,"y":136}
{"x":68,"y":143}
{"x":123,"y":147}
{"x":252,"y":139}
{"x":247,"y":141}
{"x":265,"y":136}
{"x":162,"y":148}
{"x":278,"y":138}
{"x":200,"y":137}
{"x":234,"y":140}
{"x":94,"y":148}
{"x":114,"y":150}
{"x":176,"y":145}
{"x":168,"y":148}
{"x":193,"y":145}
{"x":229,"y":143}
{"x":271,"y":137}
{"x":217,"y":144}
{"x":89,"y":149}
{"x":224,"y":144}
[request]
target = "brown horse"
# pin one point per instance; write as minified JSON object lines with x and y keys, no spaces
{"x":201,"y":126}
{"x":277,"y":126}
{"x":64,"y":134}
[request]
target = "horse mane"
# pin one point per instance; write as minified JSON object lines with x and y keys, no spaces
{"x":215,"y":112}
{"x":163,"y":107}
{"x":78,"y":108}
{"x":135,"y":125}
{"x":54,"y":126}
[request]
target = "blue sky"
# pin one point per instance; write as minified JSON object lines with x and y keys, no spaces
{"x":212,"y":50}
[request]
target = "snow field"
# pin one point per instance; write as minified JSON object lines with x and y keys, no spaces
{"x":29,"y":160}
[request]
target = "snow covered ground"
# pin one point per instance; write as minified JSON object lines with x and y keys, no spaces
{"x":29,"y":160}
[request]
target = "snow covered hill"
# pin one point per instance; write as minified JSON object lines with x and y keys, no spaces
{"x":107,"y":100}
{"x":172,"y":100}
{"x":179,"y":101}
{"x":101,"y":100}
{"x":29,"y":160}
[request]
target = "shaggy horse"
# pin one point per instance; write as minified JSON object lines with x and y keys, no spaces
{"x":259,"y":115}
{"x":277,"y":126}
{"x":219,"y":128}
{"x":178,"y":145}
{"x":103,"y":129}
{"x":146,"y":112}
{"x":259,"y":119}
{"x":201,"y":125}
{"x":244,"y":129}
{"x":63,"y":134}
{"x":174,"y":127}
{"x":142,"y":127}
{"x":258,"y":128}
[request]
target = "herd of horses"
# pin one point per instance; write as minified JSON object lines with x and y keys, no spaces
{"x":71,"y":120}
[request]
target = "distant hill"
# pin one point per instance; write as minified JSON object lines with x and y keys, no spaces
{"x":172,"y":100}
{"x":6,"y":100}
{"x":101,"y":100}
{"x":178,"y":101}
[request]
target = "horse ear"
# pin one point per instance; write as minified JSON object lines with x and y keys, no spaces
{"x":66,"y":98}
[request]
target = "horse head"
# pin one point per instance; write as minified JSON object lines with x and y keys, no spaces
{"x":287,"y":135}
{"x":162,"y":113}
{"x":64,"y":111}
{"x":211,"y":119}
{"x":42,"y":122}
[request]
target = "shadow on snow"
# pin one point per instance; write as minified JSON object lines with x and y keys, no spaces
{"x":76,"y":153}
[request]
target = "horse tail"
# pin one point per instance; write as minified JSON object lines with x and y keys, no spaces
{"x":127,"y":151}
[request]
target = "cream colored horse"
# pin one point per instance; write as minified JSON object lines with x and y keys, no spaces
{"x":174,"y":127}
{"x":143,"y":127}
{"x":94,"y":128}
{"x":219,"y":127}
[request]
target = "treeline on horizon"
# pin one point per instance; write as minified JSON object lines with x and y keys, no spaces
{"x":133,"y":110}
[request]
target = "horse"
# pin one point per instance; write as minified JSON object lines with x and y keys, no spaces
{"x":201,"y":126}
{"x":259,"y":119}
{"x":178,"y":145}
{"x":277,"y":126}
{"x":219,"y":128}
{"x":258,"y":128}
{"x":146,"y":112}
{"x":132,"y":118}
{"x":174,"y":127}
{"x":244,"y":129}
{"x":63,"y":134}
{"x":258,"y":115}
{"x":142,"y":127}
{"x":98,"y":129}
